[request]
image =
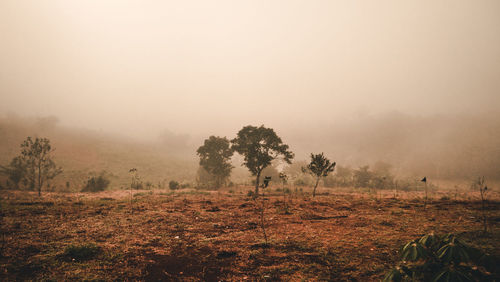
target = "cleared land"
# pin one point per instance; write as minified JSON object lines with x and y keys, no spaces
{"x":190,"y":235}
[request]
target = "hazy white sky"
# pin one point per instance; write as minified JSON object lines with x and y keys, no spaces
{"x":137,"y":67}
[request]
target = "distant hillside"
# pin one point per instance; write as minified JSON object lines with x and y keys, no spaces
{"x":82,"y":153}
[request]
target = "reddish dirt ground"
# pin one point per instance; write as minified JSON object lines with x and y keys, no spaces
{"x":194,"y":236}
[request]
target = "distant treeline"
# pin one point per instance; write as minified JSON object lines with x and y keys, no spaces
{"x":460,"y":147}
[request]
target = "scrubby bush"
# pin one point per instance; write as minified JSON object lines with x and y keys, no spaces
{"x":440,"y":258}
{"x":378,"y":178}
{"x":173,"y":185}
{"x":362,"y":177}
{"x":96,"y":183}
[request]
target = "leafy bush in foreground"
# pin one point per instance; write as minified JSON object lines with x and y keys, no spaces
{"x":440,"y":258}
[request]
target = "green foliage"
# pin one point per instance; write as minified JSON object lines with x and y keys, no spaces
{"x":413,"y":251}
{"x":394,"y":275}
{"x":96,"y":183}
{"x":173,"y":185}
{"x":319,"y":166}
{"x":438,"y":258}
{"x":259,"y":147}
{"x":215,"y":156}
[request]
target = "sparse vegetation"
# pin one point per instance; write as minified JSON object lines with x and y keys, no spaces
{"x":249,"y":140}
{"x":190,"y":223}
{"x":337,"y":237}
{"x":480,"y":185}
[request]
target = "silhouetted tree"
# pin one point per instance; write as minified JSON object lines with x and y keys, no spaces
{"x":40,"y":167}
{"x":382,"y":176}
{"x":319,"y":166}
{"x":344,"y":175}
{"x":260,"y":146}
{"x":362,"y":176}
{"x":215,"y":156}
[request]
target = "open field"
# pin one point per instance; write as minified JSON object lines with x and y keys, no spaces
{"x":211,"y":236}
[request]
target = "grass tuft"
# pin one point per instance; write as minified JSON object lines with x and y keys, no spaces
{"x":81,"y":253}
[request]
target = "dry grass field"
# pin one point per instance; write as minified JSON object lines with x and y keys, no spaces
{"x":211,"y":236}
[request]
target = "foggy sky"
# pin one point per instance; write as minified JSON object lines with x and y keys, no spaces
{"x":211,"y":67}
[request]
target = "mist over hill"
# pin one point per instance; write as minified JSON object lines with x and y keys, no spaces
{"x":440,"y":146}
{"x":83,"y":152}
{"x":458,"y":147}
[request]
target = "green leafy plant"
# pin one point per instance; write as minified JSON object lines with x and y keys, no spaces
{"x":439,"y":258}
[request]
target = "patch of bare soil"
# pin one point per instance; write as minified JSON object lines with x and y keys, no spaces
{"x":218,"y":237}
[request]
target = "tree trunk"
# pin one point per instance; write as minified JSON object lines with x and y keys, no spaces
{"x":262,"y":224}
{"x":257,"y":183}
{"x":483,"y":208}
{"x":425,"y":203}
{"x":315,"y":186}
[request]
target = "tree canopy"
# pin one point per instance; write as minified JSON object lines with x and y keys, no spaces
{"x":215,"y":156}
{"x":34,"y":166}
{"x":319,"y":166}
{"x":260,"y":146}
